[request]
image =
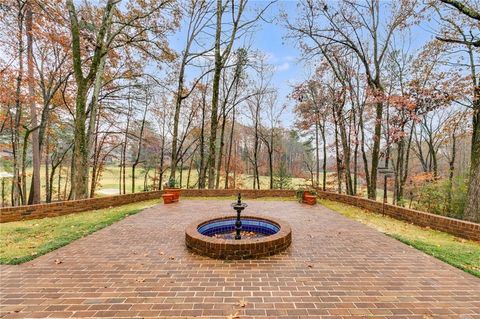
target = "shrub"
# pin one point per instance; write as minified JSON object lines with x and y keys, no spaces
{"x":441,"y":198}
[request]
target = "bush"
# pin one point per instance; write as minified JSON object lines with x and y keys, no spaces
{"x":441,"y":198}
{"x":282,"y":179}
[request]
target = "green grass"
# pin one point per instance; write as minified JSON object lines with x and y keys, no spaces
{"x":458,"y":252}
{"x":109,"y":181}
{"x":25,"y":240}
{"x":233,"y":198}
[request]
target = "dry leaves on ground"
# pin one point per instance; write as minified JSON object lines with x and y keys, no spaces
{"x":233,"y":315}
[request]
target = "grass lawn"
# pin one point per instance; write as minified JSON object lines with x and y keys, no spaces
{"x":25,"y":240}
{"x":108,"y":184}
{"x":244,"y":199}
{"x":458,"y":252}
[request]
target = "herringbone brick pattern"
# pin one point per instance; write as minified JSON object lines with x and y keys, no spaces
{"x":140,"y":267}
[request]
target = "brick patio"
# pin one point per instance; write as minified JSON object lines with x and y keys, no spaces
{"x":335,"y":267}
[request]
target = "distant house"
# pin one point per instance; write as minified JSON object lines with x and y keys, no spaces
{"x":6,"y":152}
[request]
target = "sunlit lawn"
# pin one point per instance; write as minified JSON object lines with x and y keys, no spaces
{"x":461,"y":253}
{"x":25,"y":240}
{"x":109,"y":181}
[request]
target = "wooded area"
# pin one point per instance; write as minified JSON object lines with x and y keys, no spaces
{"x":90,"y":86}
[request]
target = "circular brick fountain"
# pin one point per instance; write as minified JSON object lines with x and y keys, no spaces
{"x":261,"y":237}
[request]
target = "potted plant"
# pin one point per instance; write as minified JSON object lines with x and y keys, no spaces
{"x":307,"y":196}
{"x":171,"y":188}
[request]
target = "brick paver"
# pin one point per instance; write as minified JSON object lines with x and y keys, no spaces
{"x":335,"y":268}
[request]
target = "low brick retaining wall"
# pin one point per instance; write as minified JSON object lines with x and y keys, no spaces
{"x":453,"y":226}
{"x":10,"y":214}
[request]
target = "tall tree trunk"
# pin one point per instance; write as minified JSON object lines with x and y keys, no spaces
{"x":270,"y":160}
{"x":201,"y":168}
{"x":324,"y":166}
{"x":125,"y":144}
{"x":215,"y":95}
{"x":34,"y":196}
{"x":80,"y":151}
{"x":181,"y":173}
{"x":80,"y":163}
{"x":362,"y":149}
{"x":189,"y":171}
{"x":256,"y":178}
{"x":140,"y":143}
{"x":387,"y":157}
{"x":222,"y":144}
{"x":59,"y":182}
{"x":346,"y":151}
{"x":48,"y":182}
{"x":96,"y":154}
{"x":372,"y":189}
{"x":339,"y":160}
{"x":162,"y":160}
{"x":176,"y":117}
{"x":94,"y":109}
{"x":120,"y":165}
{"x":17,"y":194}
{"x":451,"y":166}
{"x":24,"y":165}
{"x":355,"y":154}
{"x":472,"y":206}
{"x":317,"y":151}
{"x":145,"y":180}
{"x":230,"y":145}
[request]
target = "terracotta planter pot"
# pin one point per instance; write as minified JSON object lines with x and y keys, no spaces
{"x":168,"y":198}
{"x":309,"y":199}
{"x":174,"y":191}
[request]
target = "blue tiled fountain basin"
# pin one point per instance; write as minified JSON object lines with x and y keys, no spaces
{"x":222,"y":226}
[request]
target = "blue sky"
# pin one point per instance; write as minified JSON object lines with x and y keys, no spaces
{"x":268,"y":38}
{"x":283,"y":53}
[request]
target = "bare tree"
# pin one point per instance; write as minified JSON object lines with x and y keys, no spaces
{"x":351,"y":25}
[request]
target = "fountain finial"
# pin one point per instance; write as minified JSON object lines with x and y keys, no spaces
{"x":238,"y":207}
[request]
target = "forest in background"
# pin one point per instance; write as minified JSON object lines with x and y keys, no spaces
{"x":88,"y":89}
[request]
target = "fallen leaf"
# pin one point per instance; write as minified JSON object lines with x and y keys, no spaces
{"x":140,"y":280}
{"x":145,"y":255}
{"x":58,"y":261}
{"x":233,"y":315}
{"x":309,"y":265}
{"x":172,"y":258}
{"x":242,"y":303}
{"x":161,"y":253}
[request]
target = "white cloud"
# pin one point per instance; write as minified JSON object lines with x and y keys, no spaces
{"x":271,"y":57}
{"x":283,"y":67}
